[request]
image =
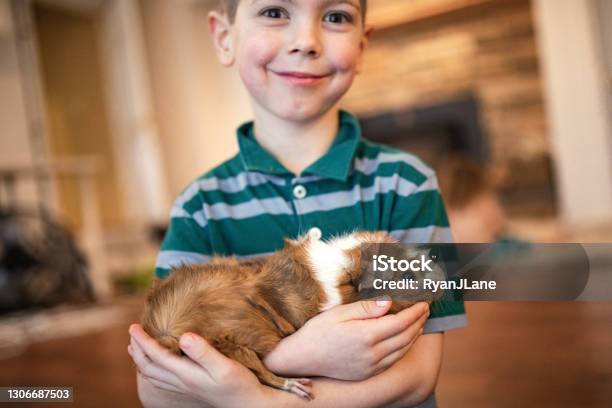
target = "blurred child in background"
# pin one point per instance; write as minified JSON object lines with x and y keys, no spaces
{"x":470,"y":194}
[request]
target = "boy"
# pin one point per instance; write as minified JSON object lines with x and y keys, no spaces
{"x":303,"y":165}
{"x":472,"y":202}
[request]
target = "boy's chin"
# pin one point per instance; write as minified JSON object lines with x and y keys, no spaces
{"x":300,"y":114}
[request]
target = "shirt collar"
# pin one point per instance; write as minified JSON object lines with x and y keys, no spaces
{"x":334,"y":164}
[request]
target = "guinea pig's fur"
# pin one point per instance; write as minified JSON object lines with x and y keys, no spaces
{"x":245,"y":308}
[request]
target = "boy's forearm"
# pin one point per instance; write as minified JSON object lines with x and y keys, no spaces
{"x":284,"y":361}
{"x":408,"y":382}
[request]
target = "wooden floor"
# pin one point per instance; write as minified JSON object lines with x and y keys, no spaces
{"x":530,"y":355}
{"x":512,"y":355}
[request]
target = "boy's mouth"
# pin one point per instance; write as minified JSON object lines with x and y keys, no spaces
{"x":300,"y":78}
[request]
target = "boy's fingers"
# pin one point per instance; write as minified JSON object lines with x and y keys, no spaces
{"x":403,"y":339}
{"x":205,"y":355}
{"x":148,"y":368}
{"x":149,"y":346}
{"x":155,"y":352}
{"x":183,"y":369}
{"x":392,"y":325}
{"x":141,"y":360}
{"x":389,"y":360}
{"x":163,"y":386}
{"x":397,"y":355}
{"x":364,"y":309}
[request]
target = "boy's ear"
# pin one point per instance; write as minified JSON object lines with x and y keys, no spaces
{"x":367,"y":32}
{"x":220,"y":30}
{"x":365,"y":39}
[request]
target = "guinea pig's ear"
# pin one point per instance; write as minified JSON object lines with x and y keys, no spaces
{"x":314,"y":234}
{"x":289,"y":242}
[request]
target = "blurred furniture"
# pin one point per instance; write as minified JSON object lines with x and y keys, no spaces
{"x":90,"y":238}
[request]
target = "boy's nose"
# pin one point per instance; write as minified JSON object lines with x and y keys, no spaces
{"x":306,"y":42}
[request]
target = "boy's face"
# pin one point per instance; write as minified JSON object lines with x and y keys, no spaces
{"x":297,"y":58}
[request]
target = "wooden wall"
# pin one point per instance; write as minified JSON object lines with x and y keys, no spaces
{"x":429,"y":51}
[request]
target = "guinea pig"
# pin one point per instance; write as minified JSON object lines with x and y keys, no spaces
{"x":245,"y":308}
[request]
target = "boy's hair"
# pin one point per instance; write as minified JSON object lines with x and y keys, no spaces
{"x":230,"y":7}
{"x":461,"y":180}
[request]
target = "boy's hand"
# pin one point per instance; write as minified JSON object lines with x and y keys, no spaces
{"x":207,"y":375}
{"x":349,"y":342}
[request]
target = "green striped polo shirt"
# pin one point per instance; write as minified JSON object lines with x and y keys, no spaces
{"x":246,"y":206}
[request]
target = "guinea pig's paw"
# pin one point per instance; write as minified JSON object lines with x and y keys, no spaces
{"x":301,"y":387}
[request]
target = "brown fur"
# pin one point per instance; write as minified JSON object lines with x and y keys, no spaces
{"x":245,"y":308}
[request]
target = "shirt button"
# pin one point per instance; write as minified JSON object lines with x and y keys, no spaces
{"x":299,"y":191}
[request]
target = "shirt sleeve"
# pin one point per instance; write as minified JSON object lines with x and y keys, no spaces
{"x":419,"y":217}
{"x":187,"y":240}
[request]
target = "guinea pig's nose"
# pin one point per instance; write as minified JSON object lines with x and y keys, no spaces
{"x":409,"y":275}
{"x":315,"y":233}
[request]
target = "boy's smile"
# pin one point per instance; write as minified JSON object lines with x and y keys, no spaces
{"x":301,"y":78}
{"x":297,"y":58}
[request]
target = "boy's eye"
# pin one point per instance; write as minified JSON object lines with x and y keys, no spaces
{"x":275,"y":12}
{"x":338,"y":18}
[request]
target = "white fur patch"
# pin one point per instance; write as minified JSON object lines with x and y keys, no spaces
{"x":329,"y":261}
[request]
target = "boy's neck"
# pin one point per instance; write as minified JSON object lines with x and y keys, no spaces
{"x":296,"y":145}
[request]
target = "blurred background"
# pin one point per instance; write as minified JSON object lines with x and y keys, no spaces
{"x":108,"y":108}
